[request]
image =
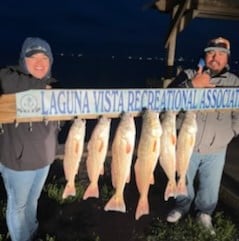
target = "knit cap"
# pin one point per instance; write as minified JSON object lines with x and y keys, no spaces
{"x":36,"y":45}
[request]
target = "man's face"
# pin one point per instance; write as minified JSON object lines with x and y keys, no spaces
{"x":216,"y":60}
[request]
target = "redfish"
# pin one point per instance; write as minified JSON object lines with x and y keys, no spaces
{"x":147,"y":157}
{"x":122,"y":154}
{"x":184,"y":149}
{"x":97,"y":149}
{"x":168,"y":152}
{"x":73,"y":153}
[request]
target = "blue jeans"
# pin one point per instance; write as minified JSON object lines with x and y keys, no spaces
{"x":208,"y":168}
{"x":23,"y":191}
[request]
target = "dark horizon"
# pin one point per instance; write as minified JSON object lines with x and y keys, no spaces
{"x":105,"y":28}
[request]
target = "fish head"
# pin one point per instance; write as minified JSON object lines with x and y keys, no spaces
{"x":104,"y":120}
{"x":79,"y":123}
{"x":127,"y":118}
{"x":150,"y":114}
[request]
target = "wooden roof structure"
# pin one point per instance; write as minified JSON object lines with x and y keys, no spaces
{"x":183,"y":11}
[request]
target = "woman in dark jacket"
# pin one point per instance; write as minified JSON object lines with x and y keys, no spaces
{"x":26,"y":154}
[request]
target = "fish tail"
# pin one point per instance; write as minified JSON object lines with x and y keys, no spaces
{"x":116,"y":203}
{"x":91,"y":191}
{"x":182,"y":188}
{"x":170,"y":190}
{"x":69,"y":190}
{"x":142,"y":208}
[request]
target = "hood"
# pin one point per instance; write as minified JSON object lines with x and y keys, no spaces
{"x":33,"y":45}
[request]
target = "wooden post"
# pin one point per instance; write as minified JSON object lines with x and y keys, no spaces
{"x":171,"y":48}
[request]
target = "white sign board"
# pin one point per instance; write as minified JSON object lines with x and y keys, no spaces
{"x":75,"y":102}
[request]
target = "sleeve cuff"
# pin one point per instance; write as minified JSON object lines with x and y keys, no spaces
{"x":188,"y":83}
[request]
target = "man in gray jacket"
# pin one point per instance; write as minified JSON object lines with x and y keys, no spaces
{"x":215,"y":131}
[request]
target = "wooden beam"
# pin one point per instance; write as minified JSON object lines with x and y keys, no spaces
{"x":165,"y":5}
{"x":187,"y":18}
{"x":7,"y":108}
{"x":176,"y":20}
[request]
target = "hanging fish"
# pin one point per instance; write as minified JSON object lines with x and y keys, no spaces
{"x":122,"y":154}
{"x":147,"y":157}
{"x":168,"y":152}
{"x":184,"y":149}
{"x":73,"y":152}
{"x":97,"y":150}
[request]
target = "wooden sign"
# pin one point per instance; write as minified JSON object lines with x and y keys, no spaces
{"x":66,"y":104}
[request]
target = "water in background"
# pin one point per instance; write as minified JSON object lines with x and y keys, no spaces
{"x":100,"y":72}
{"x":83,"y":72}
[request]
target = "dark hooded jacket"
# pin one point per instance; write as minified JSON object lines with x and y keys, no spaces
{"x":22,"y":147}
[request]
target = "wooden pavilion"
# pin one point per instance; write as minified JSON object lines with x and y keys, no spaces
{"x":183,"y":11}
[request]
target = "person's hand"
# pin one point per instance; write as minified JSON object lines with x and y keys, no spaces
{"x":202,"y":80}
{"x":48,"y":87}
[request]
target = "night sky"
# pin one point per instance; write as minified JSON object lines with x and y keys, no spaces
{"x":106,"y":27}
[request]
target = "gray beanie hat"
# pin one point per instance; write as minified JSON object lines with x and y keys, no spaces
{"x":33,"y":45}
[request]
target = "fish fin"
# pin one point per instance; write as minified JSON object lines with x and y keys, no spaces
{"x":76,"y":147}
{"x":170,"y":190}
{"x":101,"y":145}
{"x":116,"y":203}
{"x":154,"y":146}
{"x":128,"y":148}
{"x":91,"y":191}
{"x":151,"y":179}
{"x":182,"y":188}
{"x":136,"y":165}
{"x":174,"y":139}
{"x":142,"y":208}
{"x":69,"y":190}
{"x":192,"y":141}
{"x":128,"y":179}
{"x":135,"y":172}
{"x":102,"y":171}
{"x":113,"y":181}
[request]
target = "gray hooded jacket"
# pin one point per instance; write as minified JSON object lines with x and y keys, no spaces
{"x":215,"y":128}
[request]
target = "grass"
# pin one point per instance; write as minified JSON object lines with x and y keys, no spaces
{"x":54,"y":191}
{"x":158,"y":230}
{"x":189,"y":230}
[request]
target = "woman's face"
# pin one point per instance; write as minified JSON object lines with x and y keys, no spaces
{"x":38,"y":65}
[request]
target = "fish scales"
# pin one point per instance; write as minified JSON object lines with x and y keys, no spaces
{"x":147,"y":157}
{"x":122,"y":154}
{"x":168,"y":152}
{"x":185,"y":144}
{"x":73,"y":153}
{"x":97,"y":148}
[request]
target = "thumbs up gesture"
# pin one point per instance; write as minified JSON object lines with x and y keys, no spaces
{"x":202,"y":78}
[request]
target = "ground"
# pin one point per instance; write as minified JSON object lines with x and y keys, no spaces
{"x":86,"y":220}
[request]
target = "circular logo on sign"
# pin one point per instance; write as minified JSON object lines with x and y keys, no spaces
{"x":28,"y":103}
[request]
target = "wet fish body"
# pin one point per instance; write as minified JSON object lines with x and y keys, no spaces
{"x":122,"y":154}
{"x":168,"y":152}
{"x":147,"y":157}
{"x":97,"y":148}
{"x":73,"y":153}
{"x":185,"y":144}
